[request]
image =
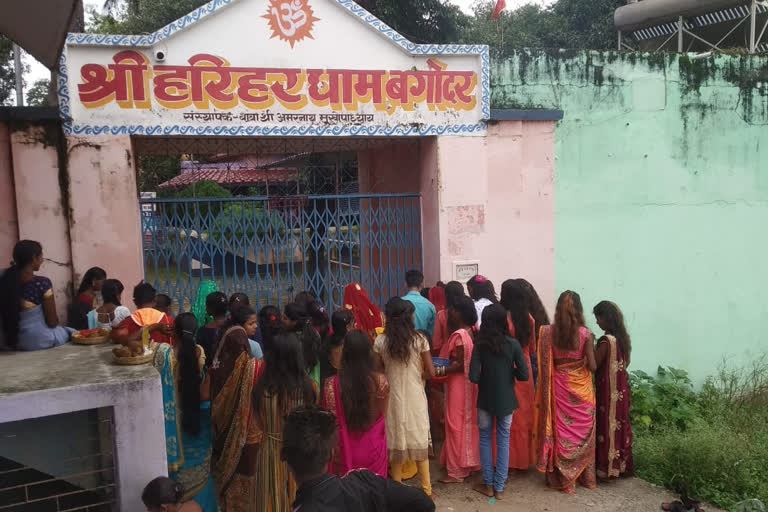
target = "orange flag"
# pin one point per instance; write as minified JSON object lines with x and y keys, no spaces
{"x":500,"y":6}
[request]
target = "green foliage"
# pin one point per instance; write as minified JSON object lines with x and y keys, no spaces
{"x":569,"y":24}
{"x":37,"y":95}
{"x":201,"y":189}
{"x":421,"y":21}
{"x":710,"y":444}
{"x":7,"y":74}
{"x":710,"y":461}
{"x":136,"y":17}
{"x":663,"y":401}
{"x":157,"y":169}
{"x":246,"y":220}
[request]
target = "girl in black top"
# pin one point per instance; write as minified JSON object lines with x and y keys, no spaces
{"x":497,"y":360}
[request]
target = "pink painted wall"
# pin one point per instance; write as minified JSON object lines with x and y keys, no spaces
{"x":497,"y":203}
{"x":39,"y":208}
{"x":9,"y":229}
{"x":106,"y":224}
{"x":429,"y":187}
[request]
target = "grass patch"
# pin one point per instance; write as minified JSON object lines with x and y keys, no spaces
{"x":710,"y":444}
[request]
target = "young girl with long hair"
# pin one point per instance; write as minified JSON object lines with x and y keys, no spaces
{"x":235,"y":434}
{"x":358,"y":397}
{"x":283,"y":387}
{"x":406,"y":358}
{"x":514,"y":298}
{"x":27,"y":305}
{"x":270,"y":324}
{"x":564,"y":426}
{"x":112,"y":312}
{"x":186,"y":400}
{"x":297,"y":320}
{"x":216,"y":310}
{"x":614,"y":429}
{"x":460,"y":454}
{"x":497,"y":362}
{"x":92,"y":282}
{"x":342,"y":322}
{"x":443,"y":326}
{"x":539,"y":313}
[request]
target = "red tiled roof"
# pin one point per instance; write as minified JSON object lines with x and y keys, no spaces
{"x":239,"y":177}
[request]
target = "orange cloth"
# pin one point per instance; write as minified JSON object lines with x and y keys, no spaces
{"x":522,"y":422}
{"x":144,"y":318}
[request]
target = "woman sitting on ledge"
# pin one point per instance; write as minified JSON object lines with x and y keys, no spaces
{"x":27,"y":306}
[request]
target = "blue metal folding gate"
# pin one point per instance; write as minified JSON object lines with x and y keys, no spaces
{"x":273,"y":247}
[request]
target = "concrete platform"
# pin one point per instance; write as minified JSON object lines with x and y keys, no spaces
{"x":75,"y":378}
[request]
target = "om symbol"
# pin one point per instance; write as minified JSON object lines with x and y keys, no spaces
{"x":290,"y":20}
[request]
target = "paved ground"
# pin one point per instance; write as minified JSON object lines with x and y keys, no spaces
{"x":527,"y":492}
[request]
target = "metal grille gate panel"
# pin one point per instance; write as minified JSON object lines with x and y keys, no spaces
{"x":273,"y":247}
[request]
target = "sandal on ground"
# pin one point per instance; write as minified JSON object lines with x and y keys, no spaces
{"x":451,"y":480}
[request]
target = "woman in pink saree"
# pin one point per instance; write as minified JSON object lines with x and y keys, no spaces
{"x":461,"y":450}
{"x":358,"y":396}
{"x":564,"y":428}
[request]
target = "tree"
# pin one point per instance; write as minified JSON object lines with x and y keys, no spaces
{"x":37,"y":95}
{"x":421,"y":21}
{"x":140,"y":17}
{"x":569,"y":24}
{"x":157,"y":169}
{"x":7,"y":75}
{"x":7,"y":72}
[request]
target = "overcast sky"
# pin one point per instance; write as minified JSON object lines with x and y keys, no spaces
{"x":38,"y":71}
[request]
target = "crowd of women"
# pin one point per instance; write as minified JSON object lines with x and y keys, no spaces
{"x":437,"y":366}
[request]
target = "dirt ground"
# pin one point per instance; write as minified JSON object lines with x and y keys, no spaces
{"x":527,"y":492}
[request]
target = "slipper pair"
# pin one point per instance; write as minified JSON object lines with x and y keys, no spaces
{"x":679,"y":506}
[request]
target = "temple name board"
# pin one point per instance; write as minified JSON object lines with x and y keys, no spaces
{"x":339,"y":78}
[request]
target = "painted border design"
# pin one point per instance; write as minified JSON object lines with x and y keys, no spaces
{"x":211,"y":7}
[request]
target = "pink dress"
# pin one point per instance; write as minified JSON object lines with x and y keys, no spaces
{"x":357,"y":449}
{"x":564,"y":427}
{"x":460,"y":453}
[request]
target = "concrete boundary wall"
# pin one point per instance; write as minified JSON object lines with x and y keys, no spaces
{"x":661,"y":190}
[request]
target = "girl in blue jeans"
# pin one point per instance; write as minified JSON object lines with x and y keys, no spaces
{"x":497,"y":361}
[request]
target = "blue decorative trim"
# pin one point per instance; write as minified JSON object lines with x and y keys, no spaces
{"x":210,"y":8}
{"x":280,"y":131}
{"x":62,"y":91}
{"x":149,"y":39}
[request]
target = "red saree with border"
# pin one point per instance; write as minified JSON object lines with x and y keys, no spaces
{"x":614,"y":431}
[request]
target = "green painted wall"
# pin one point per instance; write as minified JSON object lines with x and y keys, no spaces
{"x":661,"y":194}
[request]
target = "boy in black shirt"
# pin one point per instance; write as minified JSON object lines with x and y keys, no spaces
{"x":309,"y":436}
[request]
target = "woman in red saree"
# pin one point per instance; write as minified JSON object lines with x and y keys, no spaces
{"x":460,"y":454}
{"x":564,"y":428}
{"x":614,"y":431}
{"x":358,"y":396}
{"x":522,"y":327}
{"x":437,"y":298}
{"x":368,"y":317}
